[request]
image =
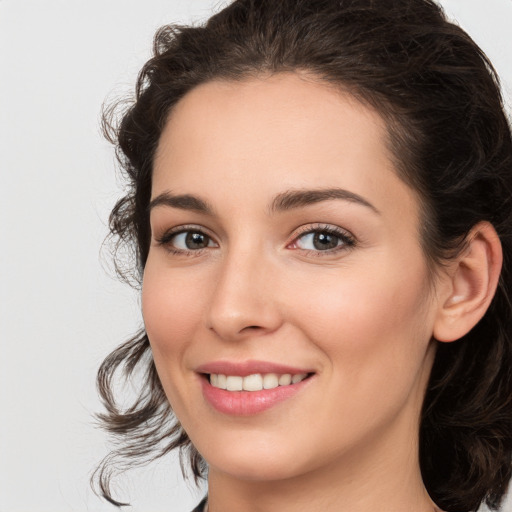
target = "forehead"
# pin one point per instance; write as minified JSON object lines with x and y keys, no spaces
{"x":261,"y":135}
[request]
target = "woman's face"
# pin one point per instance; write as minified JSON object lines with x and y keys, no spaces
{"x":283,"y":243}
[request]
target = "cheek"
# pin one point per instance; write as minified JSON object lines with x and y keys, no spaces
{"x":374,"y":333}
{"x":362,"y":300}
{"x":171,"y":307}
{"x":374,"y":326}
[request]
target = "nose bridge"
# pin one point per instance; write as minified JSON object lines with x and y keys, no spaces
{"x":244,"y":298}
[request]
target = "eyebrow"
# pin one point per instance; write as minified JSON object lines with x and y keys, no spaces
{"x":182,"y":202}
{"x":299,"y":198}
{"x":284,"y":201}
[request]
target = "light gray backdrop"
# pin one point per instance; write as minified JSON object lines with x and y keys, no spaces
{"x":60,"y":313}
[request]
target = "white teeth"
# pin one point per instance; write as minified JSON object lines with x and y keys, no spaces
{"x":270,"y":381}
{"x":221,"y":381}
{"x":285,"y":379}
{"x":254,"y":382}
{"x":234,"y":383}
{"x":299,"y":377}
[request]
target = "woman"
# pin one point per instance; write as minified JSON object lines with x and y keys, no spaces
{"x":320,"y":204}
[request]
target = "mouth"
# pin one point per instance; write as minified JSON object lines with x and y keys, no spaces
{"x":243,"y":389}
{"x":255,"y":382}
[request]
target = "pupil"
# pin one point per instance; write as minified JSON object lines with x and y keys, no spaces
{"x":324,"y":241}
{"x":196,"y":241}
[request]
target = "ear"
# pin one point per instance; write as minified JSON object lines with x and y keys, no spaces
{"x":469,"y":284}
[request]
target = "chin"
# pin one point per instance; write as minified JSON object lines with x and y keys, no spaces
{"x":255,"y":461}
{"x":257,"y":469}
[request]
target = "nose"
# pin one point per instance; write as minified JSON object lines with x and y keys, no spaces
{"x":244,"y":302}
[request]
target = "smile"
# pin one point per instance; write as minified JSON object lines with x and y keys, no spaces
{"x":254,"y":382}
{"x":251,"y":387}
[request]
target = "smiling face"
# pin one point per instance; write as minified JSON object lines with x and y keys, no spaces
{"x":284,"y":244}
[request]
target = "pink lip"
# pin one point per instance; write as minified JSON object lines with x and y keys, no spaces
{"x":246,"y":403}
{"x":249,"y":368}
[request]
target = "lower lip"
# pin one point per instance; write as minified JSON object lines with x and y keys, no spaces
{"x":247,"y":403}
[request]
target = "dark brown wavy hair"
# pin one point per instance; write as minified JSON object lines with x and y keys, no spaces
{"x":451,"y":141}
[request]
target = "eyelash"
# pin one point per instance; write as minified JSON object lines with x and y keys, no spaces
{"x":167,"y":237}
{"x":346,"y":239}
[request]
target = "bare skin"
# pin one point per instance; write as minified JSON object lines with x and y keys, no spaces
{"x":359,"y":312}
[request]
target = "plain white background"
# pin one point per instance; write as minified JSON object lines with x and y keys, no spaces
{"x":60,"y":312}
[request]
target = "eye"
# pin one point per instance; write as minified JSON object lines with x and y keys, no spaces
{"x":323,"y":240}
{"x":191,"y":240}
{"x":186,"y":240}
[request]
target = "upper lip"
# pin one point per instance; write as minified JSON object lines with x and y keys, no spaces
{"x":245,"y":368}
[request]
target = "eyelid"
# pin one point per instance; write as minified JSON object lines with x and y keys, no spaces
{"x":348,"y":239}
{"x":181,"y":228}
{"x":165,"y":239}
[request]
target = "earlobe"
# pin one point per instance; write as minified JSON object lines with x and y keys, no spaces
{"x":470,"y":284}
